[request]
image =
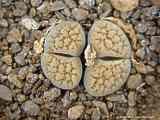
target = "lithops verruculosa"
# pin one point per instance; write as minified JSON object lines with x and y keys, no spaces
{"x":60,"y":60}
{"x":112,"y":64}
{"x":124,"y":5}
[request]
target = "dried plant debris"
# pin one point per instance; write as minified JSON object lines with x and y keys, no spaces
{"x":107,"y":57}
{"x":124,"y":5}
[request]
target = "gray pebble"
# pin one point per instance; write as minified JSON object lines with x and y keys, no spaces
{"x":20,"y":59}
{"x":5,"y":93}
{"x":13,"y":78}
{"x":20,"y":9}
{"x":36,"y":3}
{"x":30,"y":108}
{"x":141,"y":53}
{"x":96,"y":114}
{"x":15,"y":47}
{"x":57,"y":5}
{"x":3,"y":23}
{"x":155,"y":43}
{"x":75,"y":112}
{"x":141,"y":27}
{"x":51,"y":94}
{"x":80,"y":14}
{"x":131,"y":112}
{"x":132,"y":98}
{"x":149,"y":79}
{"x":102,"y":106}
{"x":14,"y":36}
{"x":117,"y":98}
{"x":7,"y":59}
{"x":134,"y":81}
{"x":70,"y":3}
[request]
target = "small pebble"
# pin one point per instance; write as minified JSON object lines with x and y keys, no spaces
{"x":7,"y":59}
{"x":14,"y":80}
{"x":14,"y":36}
{"x":20,"y":59}
{"x":3,"y":23}
{"x":70,"y":3}
{"x":149,"y":79}
{"x":36,"y":3}
{"x":57,"y":5}
{"x":102,"y":106}
{"x":80,"y":14}
{"x":51,"y":94}
{"x":15,"y":47}
{"x":117,"y":98}
{"x":96,"y":114}
{"x":21,"y":97}
{"x":5,"y":93}
{"x":132,"y":98}
{"x":131,"y":112}
{"x":30,"y":108}
{"x":29,"y":23}
{"x":134,"y":81}
{"x":75,"y":112}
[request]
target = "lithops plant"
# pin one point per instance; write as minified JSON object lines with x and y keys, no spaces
{"x":124,"y":5}
{"x":112,"y":63}
{"x":108,"y":55}
{"x":60,"y":60}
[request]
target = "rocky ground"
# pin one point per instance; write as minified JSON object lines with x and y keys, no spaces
{"x":23,"y":84}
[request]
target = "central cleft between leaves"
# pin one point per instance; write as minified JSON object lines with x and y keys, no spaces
{"x":90,"y":55}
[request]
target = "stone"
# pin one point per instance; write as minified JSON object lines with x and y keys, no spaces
{"x":30,"y":108}
{"x":149,"y":79}
{"x":90,"y":3}
{"x":96,"y":114}
{"x":21,"y":97}
{"x":20,"y":8}
{"x":117,"y":98}
{"x":7,"y":59}
{"x":3,"y":23}
{"x":30,"y":23}
{"x":156,"y":2}
{"x":51,"y":94}
{"x":70,"y":3}
{"x":5,"y":93}
{"x":141,"y":27}
{"x":125,"y":5}
{"x":14,"y":36}
{"x":75,"y":112}
{"x":132,"y":98}
{"x":155,"y":43}
{"x":131,"y":112}
{"x":105,"y":9}
{"x":36,"y":3}
{"x":15,"y":48}
{"x":14,"y":80}
{"x":141,"y":53}
{"x":80,"y":14}
{"x":134,"y":81}
{"x":57,"y":5}
{"x":20,"y":59}
{"x":102,"y":106}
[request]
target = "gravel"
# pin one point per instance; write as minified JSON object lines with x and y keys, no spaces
{"x":5,"y":93}
{"x":75,"y":112}
{"x":134,"y":81}
{"x":23,"y":84}
{"x":30,"y":108}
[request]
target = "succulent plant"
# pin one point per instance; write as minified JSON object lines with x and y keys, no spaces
{"x":107,"y":56}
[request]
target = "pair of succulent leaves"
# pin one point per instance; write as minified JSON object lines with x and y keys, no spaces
{"x":66,"y":42}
